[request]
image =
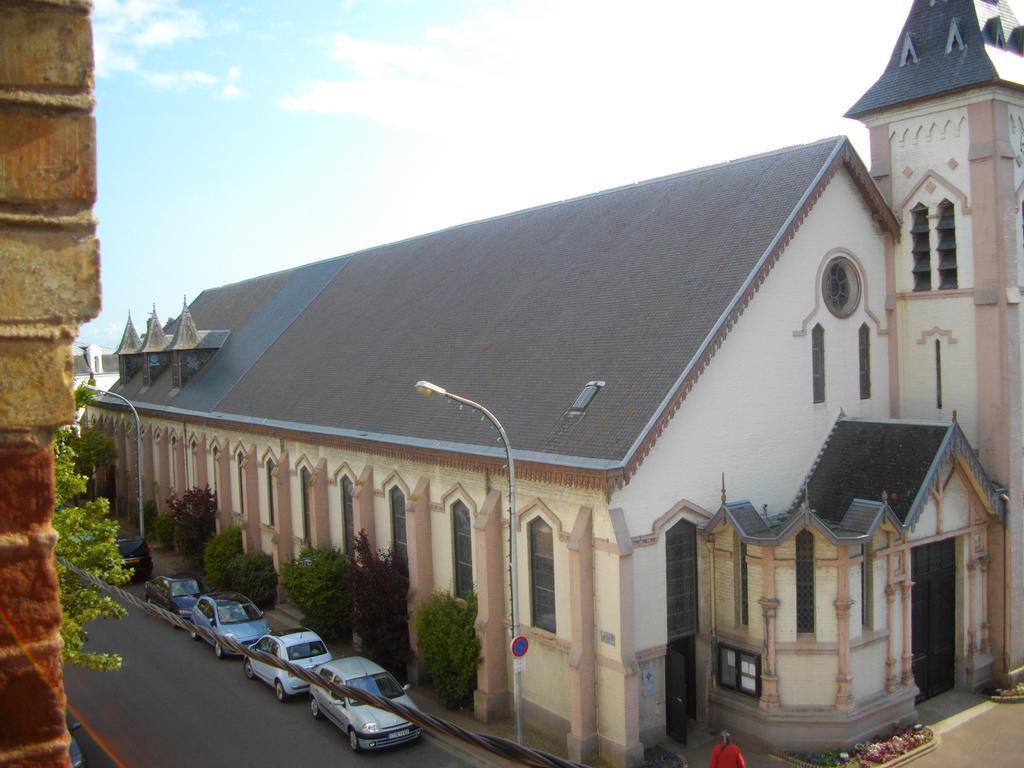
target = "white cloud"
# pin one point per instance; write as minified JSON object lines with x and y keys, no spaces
{"x":226,"y":87}
{"x":576,"y":80}
{"x":124,"y":30}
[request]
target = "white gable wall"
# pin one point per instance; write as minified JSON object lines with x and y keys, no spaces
{"x":751,"y":414}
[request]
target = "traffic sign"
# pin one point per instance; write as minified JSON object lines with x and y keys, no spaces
{"x":520,"y":645}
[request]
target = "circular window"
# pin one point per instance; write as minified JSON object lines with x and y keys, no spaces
{"x":840,"y":287}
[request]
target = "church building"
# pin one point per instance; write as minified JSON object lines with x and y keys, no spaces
{"x":766,"y":418}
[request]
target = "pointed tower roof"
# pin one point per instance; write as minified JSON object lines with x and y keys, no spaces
{"x":156,"y":339}
{"x":130,"y":341}
{"x":946,"y":46}
{"x":186,"y":335}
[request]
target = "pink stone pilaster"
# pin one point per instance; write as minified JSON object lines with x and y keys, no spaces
{"x":581,"y":741}
{"x":421,"y":569}
{"x":492,"y":699}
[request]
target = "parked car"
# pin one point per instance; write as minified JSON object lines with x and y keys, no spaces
{"x":228,"y":614}
{"x":75,"y":753}
{"x":300,"y":646}
{"x":177,"y":594}
{"x":135,"y":555}
{"x":367,"y":727}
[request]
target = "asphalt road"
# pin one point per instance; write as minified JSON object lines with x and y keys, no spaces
{"x":174,"y":705}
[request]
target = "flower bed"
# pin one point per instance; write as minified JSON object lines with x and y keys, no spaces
{"x":1014,"y":695}
{"x":901,"y":746}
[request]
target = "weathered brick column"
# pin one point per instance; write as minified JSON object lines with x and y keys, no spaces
{"x":49,"y":283}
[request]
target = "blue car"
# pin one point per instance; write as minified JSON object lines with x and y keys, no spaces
{"x":177,"y":594}
{"x":228,"y":615}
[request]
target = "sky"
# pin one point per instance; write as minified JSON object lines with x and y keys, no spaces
{"x":238,"y":139}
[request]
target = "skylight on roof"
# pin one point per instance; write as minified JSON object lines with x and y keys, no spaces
{"x":584,"y":398}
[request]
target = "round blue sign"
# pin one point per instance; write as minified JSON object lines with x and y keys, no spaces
{"x":520,"y":645}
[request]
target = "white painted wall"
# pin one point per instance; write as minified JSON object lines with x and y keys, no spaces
{"x":751,"y":414}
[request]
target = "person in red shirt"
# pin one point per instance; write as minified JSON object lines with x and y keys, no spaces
{"x":726,"y":754}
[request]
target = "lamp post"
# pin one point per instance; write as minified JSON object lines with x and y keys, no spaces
{"x":138,"y":437}
{"x":427,"y":388}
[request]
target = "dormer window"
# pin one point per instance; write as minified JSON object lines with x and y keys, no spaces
{"x":994,"y":32}
{"x":909,"y":55}
{"x":584,"y":398}
{"x":955,"y":40}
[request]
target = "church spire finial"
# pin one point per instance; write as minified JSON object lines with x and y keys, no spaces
{"x":723,"y":488}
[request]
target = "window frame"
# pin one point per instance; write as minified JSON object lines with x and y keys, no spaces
{"x":864,"y":360}
{"x":462,"y":570}
{"x":740,"y":656}
{"x":305,"y":494}
{"x":818,"y":364}
{"x":348,"y":516}
{"x":804,"y":583}
{"x":399,"y":545}
{"x":239,"y":461}
{"x":269,"y":466}
{"x":542,"y":564}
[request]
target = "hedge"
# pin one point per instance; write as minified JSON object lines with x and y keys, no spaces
{"x":447,"y":639}
{"x":317,"y":582}
{"x":218,"y":554}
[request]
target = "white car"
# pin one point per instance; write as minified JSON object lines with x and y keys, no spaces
{"x":299,"y":646}
{"x":367,"y":727}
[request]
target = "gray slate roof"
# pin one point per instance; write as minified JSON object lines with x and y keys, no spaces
{"x":936,"y":71}
{"x":518,"y":312}
{"x":867,"y":470}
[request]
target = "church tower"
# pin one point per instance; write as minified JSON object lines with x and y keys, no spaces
{"x":946,"y":121}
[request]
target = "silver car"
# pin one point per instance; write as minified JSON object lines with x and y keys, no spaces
{"x":228,"y":614}
{"x":367,"y":727}
{"x":299,"y":646}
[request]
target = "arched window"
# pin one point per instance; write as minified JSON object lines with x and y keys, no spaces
{"x":805,"y":582}
{"x":216,"y":468}
{"x":190,"y":464}
{"x":239,"y":459}
{"x":921,"y":248}
{"x":347,"y":517}
{"x":542,"y":575}
{"x":864,"y":344}
{"x":462,"y":549}
{"x":270,"y":491}
{"x":945,"y":229}
{"x":400,"y":544}
{"x":681,"y":579}
{"x":818,"y":363}
{"x":305,"y":483}
{"x":172,"y":460}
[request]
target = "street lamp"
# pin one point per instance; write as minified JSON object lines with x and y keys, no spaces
{"x":138,"y":436}
{"x":427,"y":388}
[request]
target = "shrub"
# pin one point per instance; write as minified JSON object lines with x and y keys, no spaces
{"x":317,"y":582}
{"x":253,"y":575}
{"x":195,"y":519}
{"x":218,"y":553}
{"x":380,"y":615}
{"x":162,"y":529}
{"x":149,"y":516}
{"x":447,"y":638}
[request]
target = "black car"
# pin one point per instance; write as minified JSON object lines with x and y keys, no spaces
{"x":135,"y":555}
{"x":177,"y":594}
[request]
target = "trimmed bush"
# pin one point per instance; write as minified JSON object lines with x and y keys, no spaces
{"x":447,"y":639}
{"x":380,"y":615}
{"x":254,"y":576}
{"x":195,"y":519}
{"x":218,"y":554}
{"x":317,"y":582}
{"x":149,"y":515}
{"x":162,"y":530}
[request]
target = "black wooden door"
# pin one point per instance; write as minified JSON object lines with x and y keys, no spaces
{"x":675,"y":692}
{"x":933,"y":617}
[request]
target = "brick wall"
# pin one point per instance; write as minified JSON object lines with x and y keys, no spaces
{"x":49,"y":283}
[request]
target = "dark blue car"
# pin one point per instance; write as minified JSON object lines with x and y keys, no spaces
{"x":177,"y":594}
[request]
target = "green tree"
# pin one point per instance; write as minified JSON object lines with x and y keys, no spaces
{"x":87,"y":538}
{"x":93,"y":449}
{"x":317,"y":582}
